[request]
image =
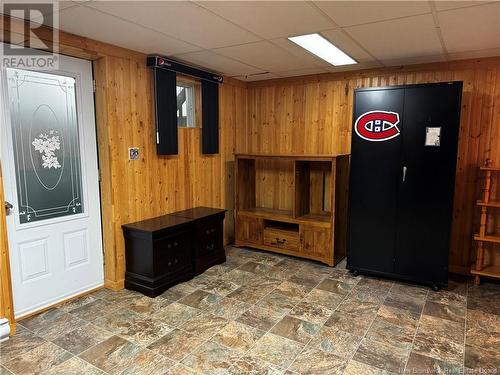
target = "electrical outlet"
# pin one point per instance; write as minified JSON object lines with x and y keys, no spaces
{"x":133,"y":153}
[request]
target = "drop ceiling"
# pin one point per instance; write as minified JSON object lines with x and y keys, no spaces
{"x":248,"y":39}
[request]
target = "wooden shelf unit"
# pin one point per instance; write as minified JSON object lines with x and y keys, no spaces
{"x":293,"y":204}
{"x":487,"y":257}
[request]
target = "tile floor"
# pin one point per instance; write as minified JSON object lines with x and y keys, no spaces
{"x":261,"y":313}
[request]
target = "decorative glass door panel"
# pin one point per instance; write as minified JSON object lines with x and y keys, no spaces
{"x":46,"y":145}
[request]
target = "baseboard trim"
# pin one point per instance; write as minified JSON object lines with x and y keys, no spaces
{"x":114,"y":285}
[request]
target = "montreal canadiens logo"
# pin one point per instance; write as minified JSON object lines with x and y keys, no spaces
{"x":377,"y":126}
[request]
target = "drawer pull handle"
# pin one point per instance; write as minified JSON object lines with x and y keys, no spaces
{"x":169,"y":245}
{"x":212,"y":230}
{"x":207,"y":231}
{"x":175,"y":244}
{"x":169,"y":264}
{"x":175,"y":261}
{"x":210,"y":247}
{"x":280,"y":241}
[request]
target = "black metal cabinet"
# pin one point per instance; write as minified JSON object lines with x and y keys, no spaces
{"x":402,"y":175}
{"x":208,"y":248}
{"x":158,"y":254}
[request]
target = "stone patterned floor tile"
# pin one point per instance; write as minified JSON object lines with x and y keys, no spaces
{"x":256,"y":268}
{"x":200,"y":299}
{"x":382,"y":355}
{"x":481,"y":361}
{"x":176,"y":344}
{"x":359,"y":368}
{"x":420,"y":364}
{"x":38,"y":360}
{"x":340,"y":343}
{"x":211,"y":358}
{"x":94,"y":310}
{"x":296,"y":329}
{"x":22,"y":342}
{"x":220,"y":287}
{"x":238,"y":336}
{"x":229,"y":308}
{"x":75,"y":303}
{"x":483,"y":330}
{"x":311,"y":312}
{"x":180,"y":369}
{"x":456,"y":323}
{"x":277,"y":302}
{"x":355,"y":323}
{"x":313,"y":361}
{"x":82,"y":338}
{"x":238,"y":277}
{"x":450,"y":312}
{"x":291,"y":290}
{"x":397,"y":336}
{"x":177,"y":292}
{"x":335,"y":286}
{"x":110,"y":353}
{"x":439,"y":348}
{"x":276,"y":350}
{"x":147,"y":305}
{"x":144,"y":362}
{"x":204,"y":325}
{"x":405,"y":302}
{"x":400,"y":317}
{"x":433,"y":326}
{"x":176,"y":314}
{"x":326,"y":299}
{"x":447,"y":298}
{"x":260,"y":318}
{"x":251,"y":365}
{"x":74,"y":366}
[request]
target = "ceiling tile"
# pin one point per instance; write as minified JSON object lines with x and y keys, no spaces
{"x":272,"y":19}
{"x":447,"y":5}
{"x":218,"y":63}
{"x":414,"y":60}
{"x":302,"y":72}
{"x":347,"y":13}
{"x":265,"y":56}
{"x":401,"y":38}
{"x":472,"y":28}
{"x":341,"y":40}
{"x":180,"y":19}
{"x":258,"y":77}
{"x":360,"y":66}
{"x":118,"y":32}
{"x":475,"y":54}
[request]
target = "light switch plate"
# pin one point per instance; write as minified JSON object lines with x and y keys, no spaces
{"x":133,"y":153}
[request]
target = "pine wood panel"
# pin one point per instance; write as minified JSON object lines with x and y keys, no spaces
{"x":313,"y":114}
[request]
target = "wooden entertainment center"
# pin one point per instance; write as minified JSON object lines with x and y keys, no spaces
{"x":293,"y":204}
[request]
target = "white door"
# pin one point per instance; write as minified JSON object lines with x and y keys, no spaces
{"x":49,"y":163}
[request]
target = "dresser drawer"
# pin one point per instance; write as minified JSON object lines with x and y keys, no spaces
{"x":210,"y":237}
{"x":172,"y":253}
{"x":282,"y":238}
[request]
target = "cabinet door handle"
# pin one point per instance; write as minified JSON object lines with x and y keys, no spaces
{"x":211,"y":246}
{"x":405,"y":169}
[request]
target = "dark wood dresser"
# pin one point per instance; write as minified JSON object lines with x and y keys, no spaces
{"x":166,"y":250}
{"x":208,"y":248}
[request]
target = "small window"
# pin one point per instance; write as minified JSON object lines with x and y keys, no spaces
{"x":185,"y":106}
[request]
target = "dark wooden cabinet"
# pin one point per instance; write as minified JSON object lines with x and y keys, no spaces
{"x":158,"y":254}
{"x":208,"y":248}
{"x":166,"y":250}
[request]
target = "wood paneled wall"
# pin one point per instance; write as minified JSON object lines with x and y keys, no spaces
{"x":314,"y":115}
{"x":155,"y":185}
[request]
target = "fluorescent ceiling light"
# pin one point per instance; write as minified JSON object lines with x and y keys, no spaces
{"x":322,"y":48}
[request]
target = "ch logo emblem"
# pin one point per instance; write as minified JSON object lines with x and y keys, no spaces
{"x":377,"y":126}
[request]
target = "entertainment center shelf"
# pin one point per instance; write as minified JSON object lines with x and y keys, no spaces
{"x":293,"y":204}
